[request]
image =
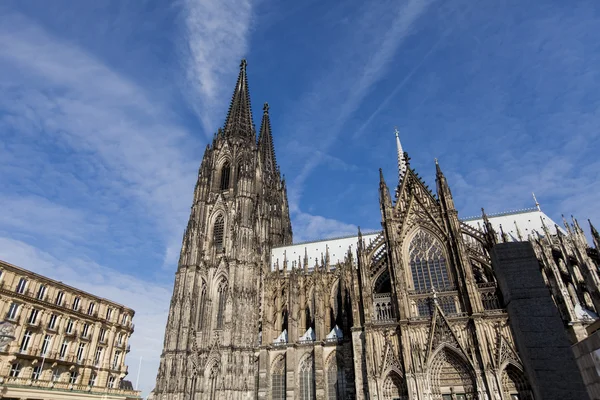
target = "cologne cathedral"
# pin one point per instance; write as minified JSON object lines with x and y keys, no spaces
{"x":412,"y":311}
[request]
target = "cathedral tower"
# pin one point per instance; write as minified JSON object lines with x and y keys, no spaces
{"x":239,"y":212}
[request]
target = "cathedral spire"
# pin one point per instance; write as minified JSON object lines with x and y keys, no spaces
{"x":265,"y":142}
{"x":239,"y":117}
{"x":401,"y":158}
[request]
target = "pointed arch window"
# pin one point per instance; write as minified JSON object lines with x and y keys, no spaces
{"x":307,"y":379}
{"x":278,"y":380}
{"x":218,"y":232}
{"x":222,"y":295}
{"x":428,"y":263}
{"x":225,"y":174}
{"x":336,"y":380}
{"x":214,"y":374}
{"x":201,"y":306}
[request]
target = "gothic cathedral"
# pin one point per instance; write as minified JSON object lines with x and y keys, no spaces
{"x":409,"y":312}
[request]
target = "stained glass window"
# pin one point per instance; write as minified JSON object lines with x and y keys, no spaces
{"x":278,"y":380}
{"x":427,"y":263}
{"x":307,"y":380}
{"x":336,"y":381}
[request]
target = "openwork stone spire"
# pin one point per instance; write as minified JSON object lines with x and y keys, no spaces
{"x":265,"y":143}
{"x":401,"y":159}
{"x":239,"y":117}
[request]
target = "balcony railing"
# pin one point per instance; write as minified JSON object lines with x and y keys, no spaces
{"x":383,"y":310}
{"x":66,"y":386}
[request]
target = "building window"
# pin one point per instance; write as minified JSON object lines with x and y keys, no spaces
{"x":76,"y":303}
{"x":37,"y":371}
{"x":46,"y":344}
{"x":21,"y":286}
{"x":102,"y":335}
{"x":55,"y":375}
{"x":12,"y":311}
{"x":116,"y":359}
{"x":98,"y":355}
{"x":80,"y":352}
{"x":92,"y":381}
{"x":84,"y":331}
{"x":124,"y":319}
{"x":41,"y":292}
{"x":52,"y":322}
{"x":111,"y":382}
{"x":225,"y":173}
{"x":73,"y":378}
{"x":307,"y":380}
{"x":91,"y":308}
{"x":120,"y":339}
{"x":59,"y":298}
{"x":278,"y":380}
{"x":201,"y":306}
{"x":69,"y":328}
{"x":218,"y":232}
{"x":222,"y":293}
{"x":63,"y":348}
{"x":109,"y":313}
{"x":25,"y":341}
{"x":336,"y":381}
{"x":15,"y":369}
{"x":33,"y":316}
{"x":428,"y":264}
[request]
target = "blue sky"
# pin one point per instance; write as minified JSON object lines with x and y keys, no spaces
{"x":106,"y":107}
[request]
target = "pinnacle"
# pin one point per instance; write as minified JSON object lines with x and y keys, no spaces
{"x":239,"y":118}
{"x":265,"y":142}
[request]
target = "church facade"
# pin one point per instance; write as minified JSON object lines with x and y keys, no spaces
{"x":409,"y":312}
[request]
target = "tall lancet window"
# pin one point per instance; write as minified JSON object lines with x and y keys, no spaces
{"x":222,"y":294}
{"x":218,"y":231}
{"x":278,"y":379}
{"x":201,"y":306}
{"x":214,"y":374}
{"x":307,"y":379}
{"x":427,"y":263}
{"x":225,"y":173}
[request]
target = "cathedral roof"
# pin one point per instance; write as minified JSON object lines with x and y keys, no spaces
{"x":315,"y":251}
{"x":528,"y":220}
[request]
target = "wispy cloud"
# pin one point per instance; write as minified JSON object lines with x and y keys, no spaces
{"x":216,"y":38}
{"x":338,"y":94}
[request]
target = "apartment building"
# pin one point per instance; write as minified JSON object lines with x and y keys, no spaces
{"x":59,"y":342}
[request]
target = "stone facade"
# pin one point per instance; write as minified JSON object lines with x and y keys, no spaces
{"x":410,"y":312}
{"x":62,"y":343}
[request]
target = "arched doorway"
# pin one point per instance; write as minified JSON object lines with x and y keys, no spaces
{"x":451,"y":376}
{"x":394,"y":387}
{"x":514,"y":384}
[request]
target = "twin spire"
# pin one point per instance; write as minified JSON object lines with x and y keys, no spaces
{"x":239,"y":117}
{"x":239,"y":121}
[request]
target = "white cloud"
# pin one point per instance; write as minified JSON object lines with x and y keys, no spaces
{"x":216,"y":35}
{"x":149,"y":300}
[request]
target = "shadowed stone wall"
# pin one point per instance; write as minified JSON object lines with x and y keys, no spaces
{"x":537,"y":327}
